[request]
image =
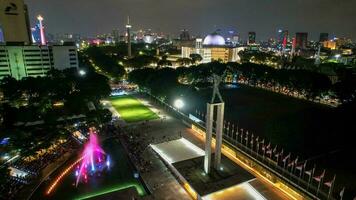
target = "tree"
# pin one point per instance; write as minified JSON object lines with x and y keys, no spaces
{"x":105,"y":62}
{"x":4,"y":175}
{"x":10,"y":88}
{"x":164,"y":62}
{"x":195,"y":58}
{"x":184,"y":61}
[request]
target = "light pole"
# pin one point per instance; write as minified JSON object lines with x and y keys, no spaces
{"x":82,"y":72}
{"x":178,"y":103}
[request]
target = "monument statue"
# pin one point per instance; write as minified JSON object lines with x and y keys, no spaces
{"x":220,"y":107}
{"x":216,"y":83}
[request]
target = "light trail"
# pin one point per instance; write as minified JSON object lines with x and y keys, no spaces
{"x":59,"y":178}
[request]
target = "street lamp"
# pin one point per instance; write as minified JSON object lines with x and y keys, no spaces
{"x":178,"y":104}
{"x":82,"y":72}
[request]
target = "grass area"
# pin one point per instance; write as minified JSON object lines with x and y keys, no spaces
{"x":132,"y":110}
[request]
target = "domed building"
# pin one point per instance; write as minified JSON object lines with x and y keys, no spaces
{"x":212,"y":48}
{"x":214,"y":39}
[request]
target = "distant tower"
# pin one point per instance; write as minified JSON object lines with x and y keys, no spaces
{"x":293,"y":47}
{"x":251,"y":38}
{"x":317,"y":57}
{"x":198,"y":43}
{"x":128,"y":31}
{"x":301,"y":40}
{"x":284,"y":44}
{"x":42,"y":34}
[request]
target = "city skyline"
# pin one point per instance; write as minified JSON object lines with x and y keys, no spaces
{"x":241,"y":16}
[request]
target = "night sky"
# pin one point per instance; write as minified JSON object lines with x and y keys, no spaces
{"x":200,"y":17}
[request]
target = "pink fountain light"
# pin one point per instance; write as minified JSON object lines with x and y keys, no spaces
{"x":94,"y":159}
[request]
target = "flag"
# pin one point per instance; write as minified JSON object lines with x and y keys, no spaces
{"x":257,"y":138}
{"x":269,"y":151}
{"x":268,"y":146}
{"x":321,"y":176}
{"x":310,"y":172}
{"x":331,"y":182}
{"x":275,"y":149}
{"x":301,"y":166}
{"x":296,"y":160}
{"x":263,"y":147}
{"x":279,"y":154}
{"x":287,"y":157}
{"x":263,"y":141}
{"x":342,"y":192}
{"x":291,"y":164}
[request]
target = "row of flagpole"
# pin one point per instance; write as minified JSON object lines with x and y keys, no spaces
{"x":286,"y":160}
{"x":254,"y":144}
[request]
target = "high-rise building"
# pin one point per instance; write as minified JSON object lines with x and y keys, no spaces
{"x":324,"y":37}
{"x":128,"y":32}
{"x":14,"y":21}
{"x":116,"y":35}
{"x":301,"y":40}
{"x":21,"y":61}
{"x":36,"y":34}
{"x":251,"y":38}
{"x":184,"y":35}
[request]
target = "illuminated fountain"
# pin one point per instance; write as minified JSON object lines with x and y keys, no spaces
{"x":94,"y":160}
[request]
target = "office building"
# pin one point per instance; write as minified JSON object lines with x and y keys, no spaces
{"x":251,"y":38}
{"x":212,"y":48}
{"x":301,"y":40}
{"x":21,"y":61}
{"x":324,"y":37}
{"x":14,"y":21}
{"x":116,"y":35}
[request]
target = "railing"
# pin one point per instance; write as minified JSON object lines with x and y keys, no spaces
{"x":288,"y":177}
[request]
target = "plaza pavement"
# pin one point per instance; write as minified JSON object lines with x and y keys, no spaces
{"x":160,"y":180}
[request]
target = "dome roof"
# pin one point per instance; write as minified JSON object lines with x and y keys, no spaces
{"x":214,"y":39}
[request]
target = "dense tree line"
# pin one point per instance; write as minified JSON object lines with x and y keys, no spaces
{"x":309,"y":83}
{"x":35,"y":98}
{"x":105,"y":62}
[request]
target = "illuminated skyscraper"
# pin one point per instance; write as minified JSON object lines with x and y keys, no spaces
{"x":128,"y":32}
{"x":301,"y":40}
{"x":14,"y":21}
{"x":251,"y":38}
{"x":36,"y":34}
{"x":116,"y":35}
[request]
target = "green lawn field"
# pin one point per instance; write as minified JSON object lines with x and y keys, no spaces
{"x":132,"y":110}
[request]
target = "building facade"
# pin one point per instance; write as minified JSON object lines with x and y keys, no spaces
{"x":251,"y":38}
{"x":32,"y":61}
{"x":212,"y":48}
{"x":14,"y":21}
{"x":301,"y":40}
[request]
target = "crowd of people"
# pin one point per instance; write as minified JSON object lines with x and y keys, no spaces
{"x":33,"y":169}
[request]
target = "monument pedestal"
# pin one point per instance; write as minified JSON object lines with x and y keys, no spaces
{"x":209,"y":132}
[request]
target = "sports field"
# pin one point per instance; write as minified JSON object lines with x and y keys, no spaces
{"x":131,"y":109}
